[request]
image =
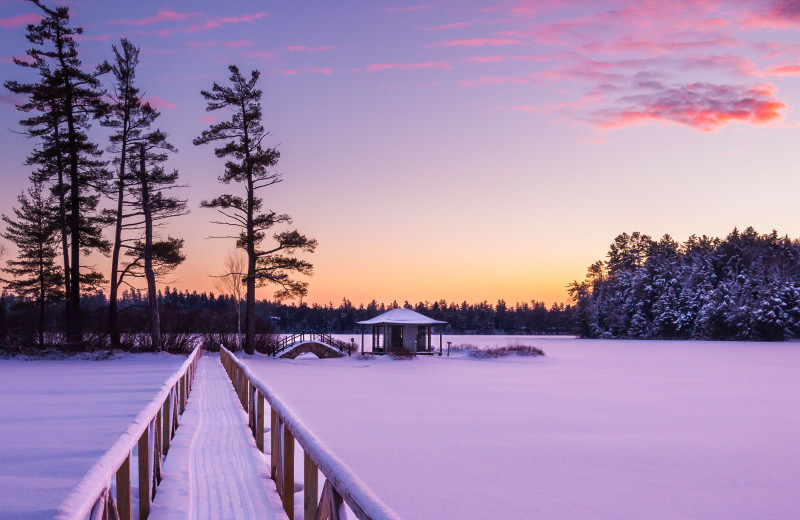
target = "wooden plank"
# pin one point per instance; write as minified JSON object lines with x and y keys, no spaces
{"x":144,"y":474}
{"x":124,"y":490}
{"x":288,"y":472}
{"x":260,"y":422}
{"x":310,"y":487}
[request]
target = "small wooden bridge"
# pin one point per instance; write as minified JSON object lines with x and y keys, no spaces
{"x":321,"y":345}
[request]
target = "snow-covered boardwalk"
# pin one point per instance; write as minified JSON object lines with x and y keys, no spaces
{"x":214,"y":469}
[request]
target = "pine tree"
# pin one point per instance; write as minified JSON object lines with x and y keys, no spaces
{"x":130,"y":118}
{"x":64,"y":101}
{"x":148,"y":195}
{"x":252,"y":164}
{"x":34,"y":274}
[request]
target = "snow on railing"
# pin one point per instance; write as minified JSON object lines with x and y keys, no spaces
{"x":152,"y":431}
{"x":341,"y":484}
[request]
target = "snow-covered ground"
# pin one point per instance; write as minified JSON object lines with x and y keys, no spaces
{"x":58,"y":417}
{"x":596,"y":429}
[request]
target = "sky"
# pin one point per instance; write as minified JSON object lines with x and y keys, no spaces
{"x":464,"y":150}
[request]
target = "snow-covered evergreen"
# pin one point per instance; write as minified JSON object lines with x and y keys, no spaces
{"x":746,"y":286}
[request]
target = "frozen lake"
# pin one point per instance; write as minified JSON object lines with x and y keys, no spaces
{"x":596,"y":429}
{"x":58,"y":417}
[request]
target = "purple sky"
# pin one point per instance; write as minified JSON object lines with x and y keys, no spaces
{"x":468,"y":150}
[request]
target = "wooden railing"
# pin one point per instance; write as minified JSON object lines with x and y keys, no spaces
{"x":341,"y":485}
{"x":152,"y":431}
{"x":287,"y":341}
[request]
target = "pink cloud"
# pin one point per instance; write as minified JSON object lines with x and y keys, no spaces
{"x":288,"y":72}
{"x":296,"y":48}
{"x":321,"y":70}
{"x":479,"y":42}
{"x":784,"y":14}
{"x":264,"y":55}
{"x":485,"y":59}
{"x":456,"y":25}
{"x":164,"y":15}
{"x":20,"y":20}
{"x":158,"y":103}
{"x":487,"y":80}
{"x":785,"y":70}
{"x":208,"y":119}
{"x":703,"y":107}
{"x":408,"y":66}
{"x":409,"y":9}
{"x":238,"y":44}
{"x":212,"y":23}
{"x":244,"y":18}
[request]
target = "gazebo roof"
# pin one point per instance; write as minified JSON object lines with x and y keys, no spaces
{"x":401,"y":317}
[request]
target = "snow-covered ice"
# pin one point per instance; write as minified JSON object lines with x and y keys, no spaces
{"x":213,"y":469}
{"x":596,"y":429}
{"x":57,"y":418}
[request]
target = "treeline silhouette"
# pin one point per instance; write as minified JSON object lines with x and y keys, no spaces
{"x":185,"y":313}
{"x":743,"y":287}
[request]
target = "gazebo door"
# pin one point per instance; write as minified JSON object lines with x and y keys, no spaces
{"x":397,"y":338}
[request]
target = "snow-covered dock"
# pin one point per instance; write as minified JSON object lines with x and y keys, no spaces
{"x":214,"y":469}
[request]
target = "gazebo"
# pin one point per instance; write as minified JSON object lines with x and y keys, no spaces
{"x":402,"y":331}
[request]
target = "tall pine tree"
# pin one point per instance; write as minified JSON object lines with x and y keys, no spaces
{"x":64,"y":101}
{"x":251,"y":164}
{"x":130,"y":119}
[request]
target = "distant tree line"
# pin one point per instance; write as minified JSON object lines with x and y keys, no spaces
{"x":185,"y":313}
{"x":743,"y":287}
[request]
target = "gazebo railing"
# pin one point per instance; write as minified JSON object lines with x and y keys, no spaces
{"x":341,"y":485}
{"x":151,"y":431}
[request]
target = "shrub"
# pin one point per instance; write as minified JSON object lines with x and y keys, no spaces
{"x":513,"y":349}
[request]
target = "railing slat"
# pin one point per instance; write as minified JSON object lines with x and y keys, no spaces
{"x":260,"y":422}
{"x":288,"y":472}
{"x":310,"y":487}
{"x":144,"y":474}
{"x":124,"y":490}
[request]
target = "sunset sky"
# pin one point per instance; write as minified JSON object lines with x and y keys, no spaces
{"x":466,"y":150}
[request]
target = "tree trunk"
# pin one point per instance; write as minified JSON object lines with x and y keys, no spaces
{"x":250,"y":317}
{"x":74,"y":335}
{"x":42,"y":301}
{"x":113,"y":319}
{"x":155,"y":322}
{"x":62,"y":216}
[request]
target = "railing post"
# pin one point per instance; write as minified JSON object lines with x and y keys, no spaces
{"x":165,"y":425}
{"x":274,"y":443}
{"x":183,"y":394}
{"x":124,"y":489}
{"x":310,"y":487}
{"x":288,"y":472}
{"x":260,"y":422}
{"x":144,"y":474}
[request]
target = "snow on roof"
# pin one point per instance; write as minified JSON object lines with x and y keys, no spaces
{"x":401,"y":317}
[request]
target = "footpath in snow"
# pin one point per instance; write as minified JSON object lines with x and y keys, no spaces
{"x":214,"y":469}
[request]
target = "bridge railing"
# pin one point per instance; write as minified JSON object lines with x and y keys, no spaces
{"x":341,"y":485}
{"x":289,"y":340}
{"x":151,"y":431}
